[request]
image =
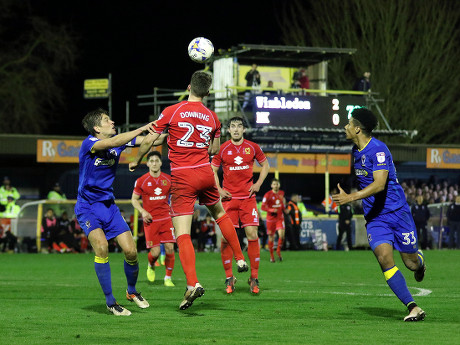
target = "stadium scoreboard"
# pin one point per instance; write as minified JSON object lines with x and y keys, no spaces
{"x":304,"y":111}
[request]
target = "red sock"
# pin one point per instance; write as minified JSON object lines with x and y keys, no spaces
{"x":187,"y":258}
{"x":270,"y":248}
{"x":56,"y":247}
{"x":254,"y":256}
{"x":229,"y":233}
{"x":280,"y":244}
{"x":151,"y":259}
{"x":169,"y":264}
{"x":226,"y":254}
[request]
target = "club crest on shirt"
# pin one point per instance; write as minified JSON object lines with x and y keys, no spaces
{"x":164,"y":182}
{"x":247,"y":150}
{"x":380,"y":157}
{"x":363,"y":160}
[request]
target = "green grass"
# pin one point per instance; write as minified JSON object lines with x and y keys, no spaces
{"x":309,"y":298}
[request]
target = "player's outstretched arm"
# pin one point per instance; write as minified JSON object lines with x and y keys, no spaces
{"x":263,"y":174}
{"x":143,"y":149}
{"x":159,"y":141}
{"x":380,"y":180}
{"x":120,"y":139}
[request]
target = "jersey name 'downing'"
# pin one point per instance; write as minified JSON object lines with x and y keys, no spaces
{"x":237,"y":163}
{"x":155,"y":194}
{"x":373,"y":157}
{"x":191,"y":128}
{"x":97,"y":171}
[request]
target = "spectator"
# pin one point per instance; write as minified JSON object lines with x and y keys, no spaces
{"x":56,"y":194}
{"x":49,"y":231}
{"x":304,"y":81}
{"x":65,"y":234}
{"x":207,"y":234}
{"x":79,"y":235}
{"x":345,"y":216}
{"x":7,"y":238}
{"x":421,"y":214}
{"x":5,"y":190}
{"x":294,"y":223}
{"x":363,"y":83}
{"x":252,"y":80}
{"x":453,"y":220}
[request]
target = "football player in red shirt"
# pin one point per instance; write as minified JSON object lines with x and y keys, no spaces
{"x":237,"y":157}
{"x":273,"y":203}
{"x":194,"y":134}
{"x":154,"y":187}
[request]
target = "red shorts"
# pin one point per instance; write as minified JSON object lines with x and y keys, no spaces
{"x":274,"y":225}
{"x":160,"y":231}
{"x":244,"y":210}
{"x":188,"y":185}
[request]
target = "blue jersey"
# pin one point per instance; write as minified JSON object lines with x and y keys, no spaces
{"x":376,"y":156}
{"x":97,"y":171}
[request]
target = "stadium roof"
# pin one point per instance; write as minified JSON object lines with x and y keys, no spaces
{"x":286,"y":56}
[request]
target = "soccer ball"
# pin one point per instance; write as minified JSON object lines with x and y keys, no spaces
{"x":200,"y":49}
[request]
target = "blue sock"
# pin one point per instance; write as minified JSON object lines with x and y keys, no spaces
{"x":397,"y":283}
{"x":421,"y":258}
{"x":102,"y":267}
{"x":162,"y":249}
{"x":131,"y":272}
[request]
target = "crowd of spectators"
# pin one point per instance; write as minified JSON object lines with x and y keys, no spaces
{"x":432,"y":192}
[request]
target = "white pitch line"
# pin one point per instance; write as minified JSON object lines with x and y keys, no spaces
{"x":421,"y":292}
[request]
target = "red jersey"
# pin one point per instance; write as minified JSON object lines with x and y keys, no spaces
{"x":273,"y":202}
{"x":237,"y":163}
{"x":191,"y":128}
{"x":155,"y":194}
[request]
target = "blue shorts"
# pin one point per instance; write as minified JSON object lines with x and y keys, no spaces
{"x":396,"y":228}
{"x":103,"y":215}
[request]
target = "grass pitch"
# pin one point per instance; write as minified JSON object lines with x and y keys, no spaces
{"x":309,"y":298}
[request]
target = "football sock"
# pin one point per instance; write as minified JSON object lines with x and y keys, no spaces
{"x":131,"y":272}
{"x":102,"y":267}
{"x":187,"y":258}
{"x":279,"y":246}
{"x":421,"y":258}
{"x":397,"y":283}
{"x":152,"y":260}
{"x":254,"y":256}
{"x":226,"y":253}
{"x":169,"y":264}
{"x":270,"y":248}
{"x":229,"y":233}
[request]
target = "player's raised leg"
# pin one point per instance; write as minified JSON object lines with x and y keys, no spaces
{"x":396,"y":281}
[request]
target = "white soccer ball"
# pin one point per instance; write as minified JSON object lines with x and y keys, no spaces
{"x":200,"y":49}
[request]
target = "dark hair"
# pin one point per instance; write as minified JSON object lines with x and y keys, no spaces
{"x":365,"y":119}
{"x":92,"y":119}
{"x":153,"y":153}
{"x":237,"y":119}
{"x":275,"y":180}
{"x":200,"y":84}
